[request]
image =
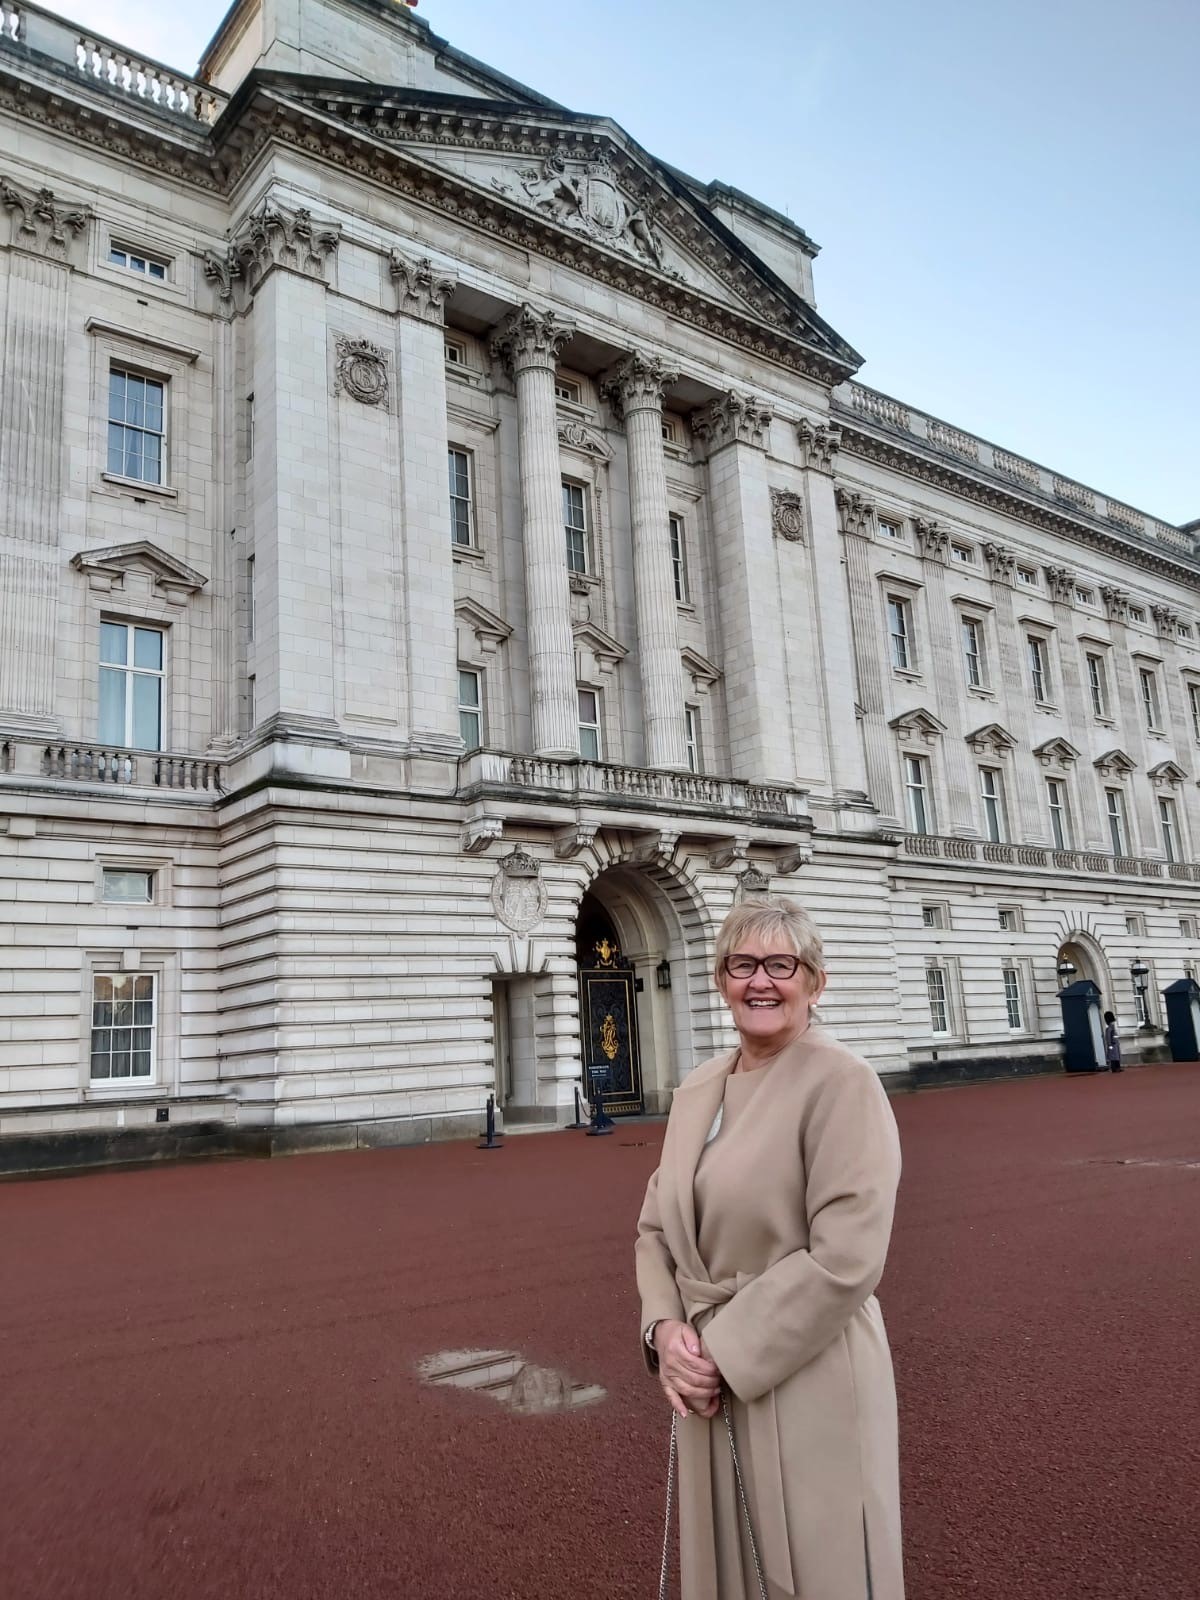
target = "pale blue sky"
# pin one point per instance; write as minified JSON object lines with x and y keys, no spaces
{"x":1006,"y":194}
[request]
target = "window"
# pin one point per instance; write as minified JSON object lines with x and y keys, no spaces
{"x":122,"y":1026}
{"x":131,"y":685}
{"x":1009,"y":918}
{"x":1098,"y":686}
{"x":124,"y":887}
{"x":691,"y":733}
{"x":916,"y":785}
{"x":1137,"y":614}
{"x":470,"y":707}
{"x":1118,"y":832}
{"x":1028,"y":576}
{"x":1183,"y":630}
{"x":250,"y":573}
{"x":1168,"y":819}
{"x":564,"y":389}
{"x":972,"y":644}
{"x":576,"y":525}
{"x":461,"y":520}
{"x":137,"y":426}
{"x":1039,"y":667}
{"x":670,"y":432}
{"x":1149,"y":682}
{"x":1187,"y":927}
{"x":1134,"y":926}
{"x":679,"y":560}
{"x":1194,"y":708}
{"x":939,"y":999}
{"x":136,"y":261}
{"x":933,"y":916}
{"x":991,"y":793}
{"x":251,"y":703}
{"x":456,"y":353}
{"x":963,"y":554}
{"x":589,"y":724}
{"x":1085,"y":597}
{"x":900,"y":632}
{"x":1060,"y":820}
{"x":889,"y":528}
{"x":1012,"y":999}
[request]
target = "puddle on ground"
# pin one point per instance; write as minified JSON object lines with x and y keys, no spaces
{"x":508,"y":1378}
{"x":1158,"y":1161}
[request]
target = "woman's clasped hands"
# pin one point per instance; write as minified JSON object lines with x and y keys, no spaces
{"x":691,"y":1382}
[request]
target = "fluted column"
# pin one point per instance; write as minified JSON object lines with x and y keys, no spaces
{"x":530,"y":342}
{"x":855,"y":517}
{"x":636,"y":389}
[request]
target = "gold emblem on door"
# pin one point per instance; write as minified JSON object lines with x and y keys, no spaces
{"x":609,"y":1042}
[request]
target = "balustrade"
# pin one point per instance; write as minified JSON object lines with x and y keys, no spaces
{"x":81,"y":763}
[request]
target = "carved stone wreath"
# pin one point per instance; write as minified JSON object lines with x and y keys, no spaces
{"x":519,"y":896}
{"x":787,"y":515}
{"x":362,"y":371}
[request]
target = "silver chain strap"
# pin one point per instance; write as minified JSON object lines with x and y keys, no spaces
{"x":741,"y":1489}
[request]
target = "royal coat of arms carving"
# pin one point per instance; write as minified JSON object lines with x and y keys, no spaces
{"x":519,"y":896}
{"x":585,"y":196}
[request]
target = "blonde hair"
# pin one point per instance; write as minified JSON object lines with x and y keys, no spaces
{"x":775,"y":917}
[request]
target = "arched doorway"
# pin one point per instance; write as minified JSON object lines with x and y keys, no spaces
{"x":1082,"y":953}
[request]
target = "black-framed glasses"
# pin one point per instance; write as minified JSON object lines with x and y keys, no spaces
{"x":774,"y":966}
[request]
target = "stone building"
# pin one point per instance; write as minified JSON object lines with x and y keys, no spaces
{"x":446,"y":561}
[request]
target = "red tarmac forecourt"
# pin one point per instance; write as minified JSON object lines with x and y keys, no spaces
{"x":208,"y":1388}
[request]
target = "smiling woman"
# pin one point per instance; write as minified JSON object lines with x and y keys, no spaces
{"x":762,"y":1237}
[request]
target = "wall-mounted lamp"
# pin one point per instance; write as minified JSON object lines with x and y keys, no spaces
{"x":1066,"y":971}
{"x":662,"y":974}
{"x":1139,"y":972}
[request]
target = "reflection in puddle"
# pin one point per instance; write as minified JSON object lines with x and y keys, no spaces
{"x":510,"y":1379}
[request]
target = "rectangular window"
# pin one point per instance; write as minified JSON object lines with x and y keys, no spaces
{"x":119,"y":886}
{"x":131,"y":685}
{"x":137,"y":426}
{"x":1134,"y":926}
{"x":679,"y":560}
{"x":972,"y":644}
{"x":1009,"y":918}
{"x":251,"y":703}
{"x":939,"y":999}
{"x":900,"y":633}
{"x":137,"y":261}
{"x":1168,"y":820}
{"x":889,"y":529}
{"x":1039,"y":667}
{"x":991,"y":794}
{"x":249,"y":427}
{"x":1187,"y":927}
{"x":122,"y":1026}
{"x":1012,"y":999}
{"x":576,"y":526}
{"x":461,"y":521}
{"x":589,"y":724}
{"x":691,"y":728}
{"x":1149,"y":682}
{"x":456,"y":353}
{"x":1098,"y":685}
{"x":933,"y":917}
{"x":1118,"y":833}
{"x":1183,"y":630}
{"x":1137,"y":614}
{"x":1028,"y":576}
{"x":564,"y":389}
{"x":1060,"y":821}
{"x":916,"y":784}
{"x":963,"y":554}
{"x":670,"y":432}
{"x":1194,"y":708}
{"x":470,"y":707}
{"x":250,"y":574}
{"x":1085,"y":597}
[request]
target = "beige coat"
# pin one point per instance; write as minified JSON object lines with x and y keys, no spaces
{"x":785,"y":1306}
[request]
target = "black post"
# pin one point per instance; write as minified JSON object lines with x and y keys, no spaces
{"x":601,"y":1121}
{"x":578,"y":1123}
{"x":491,"y":1142}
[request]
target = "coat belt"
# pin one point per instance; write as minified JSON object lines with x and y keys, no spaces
{"x":764,"y":1490}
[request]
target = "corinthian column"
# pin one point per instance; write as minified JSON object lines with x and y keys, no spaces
{"x":529,"y":342}
{"x":636,"y":390}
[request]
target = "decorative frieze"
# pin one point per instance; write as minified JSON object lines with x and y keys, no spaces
{"x":819,"y":443}
{"x":422,"y":289}
{"x":519,"y":896}
{"x":530,"y":338}
{"x":361,"y":371}
{"x":855,"y":512}
{"x":787,"y":515}
{"x":1001,"y":561}
{"x":47,"y":226}
{"x":576,"y":436}
{"x":1061,"y":583}
{"x":933,"y":539}
{"x":637,"y":384}
{"x":732,"y":419}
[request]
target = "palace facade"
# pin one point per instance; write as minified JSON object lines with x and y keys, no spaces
{"x":447,"y":561}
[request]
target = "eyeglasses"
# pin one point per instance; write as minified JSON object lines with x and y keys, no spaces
{"x":774,"y":966}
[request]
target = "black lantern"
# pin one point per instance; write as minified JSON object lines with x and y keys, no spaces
{"x":662,"y":974}
{"x":1139,"y":972}
{"x":1066,"y":971}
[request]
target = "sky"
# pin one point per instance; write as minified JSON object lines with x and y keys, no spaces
{"x":1005,"y":195}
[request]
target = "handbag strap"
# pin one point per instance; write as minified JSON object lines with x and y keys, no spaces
{"x":672,"y":1458}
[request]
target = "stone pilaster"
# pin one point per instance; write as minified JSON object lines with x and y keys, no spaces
{"x":1146,"y":840}
{"x":1077,"y":710}
{"x":946,"y":667}
{"x":636,"y":388}
{"x":529,"y":342}
{"x":855,"y":519}
{"x":1030,"y":817}
{"x":1166,"y":620}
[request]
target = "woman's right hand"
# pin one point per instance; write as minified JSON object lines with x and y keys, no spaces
{"x":691,"y":1382}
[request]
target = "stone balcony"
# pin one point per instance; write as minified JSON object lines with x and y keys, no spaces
{"x":109,"y":767}
{"x":1041,"y":858}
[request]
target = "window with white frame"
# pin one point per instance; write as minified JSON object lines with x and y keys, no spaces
{"x":565,"y":389}
{"x":1194,"y":708}
{"x":937,"y":989}
{"x":1187,"y":927}
{"x":1183,"y":630}
{"x":916,"y":788}
{"x":470,"y":707}
{"x":889,"y":528}
{"x":137,"y":261}
{"x":1009,"y":918}
{"x":137,"y":426}
{"x":991,"y":795}
{"x":132,"y":675}
{"x":679,"y":559}
{"x":1135,"y":924}
{"x":123,"y":1026}
{"x":1137,"y":614}
{"x":933,"y":916}
{"x":1013,"y":1004}
{"x":126,"y":886}
{"x":1148,"y":680}
{"x":575,"y":525}
{"x":1028,"y":576}
{"x":963,"y":554}
{"x":900,"y":633}
{"x":670,"y":431}
{"x":1038,"y":657}
{"x":1118,"y":827}
{"x":462,"y":515}
{"x":455,"y":353}
{"x":972,"y":646}
{"x":691,"y":730}
{"x":1085,"y":597}
{"x":1168,"y":822}
{"x":1060,"y":816}
{"x":590,"y":743}
{"x":1097,"y":685}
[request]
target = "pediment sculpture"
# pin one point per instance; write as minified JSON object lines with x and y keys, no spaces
{"x":586,"y":197}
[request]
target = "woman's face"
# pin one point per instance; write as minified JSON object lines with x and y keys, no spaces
{"x":769,"y":1011}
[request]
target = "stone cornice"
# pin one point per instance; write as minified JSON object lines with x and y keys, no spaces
{"x":912,"y":462}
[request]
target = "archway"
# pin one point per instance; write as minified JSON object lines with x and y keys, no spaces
{"x":1083,"y":953}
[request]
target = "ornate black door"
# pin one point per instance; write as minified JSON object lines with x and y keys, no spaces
{"x":608,"y":1023}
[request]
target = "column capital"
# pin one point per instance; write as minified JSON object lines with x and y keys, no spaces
{"x":855,"y":512}
{"x":819,"y":443}
{"x":1061,"y":583}
{"x":530,"y":338}
{"x":421,"y":288}
{"x":637,"y":383}
{"x":273,"y":236}
{"x":48,"y":226}
{"x":733,"y":419}
{"x":933,"y":539}
{"x":1001,"y":560}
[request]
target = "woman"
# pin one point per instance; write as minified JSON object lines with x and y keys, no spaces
{"x":761,"y":1239}
{"x":1112,"y":1043}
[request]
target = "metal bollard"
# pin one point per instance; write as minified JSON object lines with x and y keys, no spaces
{"x":491,"y":1141}
{"x":579,"y":1122}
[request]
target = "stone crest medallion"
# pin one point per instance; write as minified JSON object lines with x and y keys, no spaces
{"x":787,"y":515}
{"x":362,"y":371}
{"x":519,"y":896}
